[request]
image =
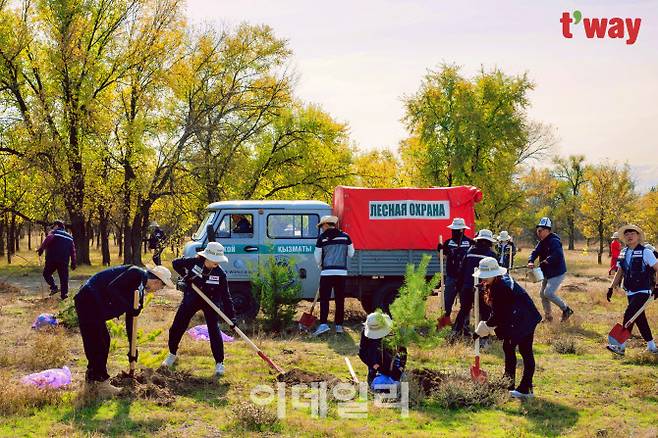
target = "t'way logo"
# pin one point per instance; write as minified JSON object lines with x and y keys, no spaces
{"x":600,"y":27}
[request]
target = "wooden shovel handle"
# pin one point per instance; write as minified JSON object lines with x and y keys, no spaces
{"x":443,"y":277}
{"x":476,"y":307}
{"x":315,"y":300}
{"x":133,"y":338}
{"x":639,"y":312}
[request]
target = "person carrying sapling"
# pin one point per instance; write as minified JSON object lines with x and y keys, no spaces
{"x":380,"y":360}
{"x":513,"y":319}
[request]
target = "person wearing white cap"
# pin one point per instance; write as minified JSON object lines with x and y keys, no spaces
{"x":483,"y":248}
{"x":205,"y":272}
{"x":553,"y":266}
{"x":379,"y":359}
{"x":454,"y":250}
{"x":637,"y":267}
{"x":504,"y":248}
{"x":106,"y":295}
{"x":513,"y":319}
{"x":332,"y":250}
{"x":615,"y":250}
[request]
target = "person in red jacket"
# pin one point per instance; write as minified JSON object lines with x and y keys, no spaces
{"x":615,"y":250}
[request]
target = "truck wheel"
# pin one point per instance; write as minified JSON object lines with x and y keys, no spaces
{"x":246,"y":307}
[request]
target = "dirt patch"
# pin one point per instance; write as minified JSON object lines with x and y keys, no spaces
{"x":601,"y":279}
{"x":574,"y":287}
{"x":6,"y":288}
{"x":428,"y":380}
{"x":161,"y":385}
{"x":296,"y":376}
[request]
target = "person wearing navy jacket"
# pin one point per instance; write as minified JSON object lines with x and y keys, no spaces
{"x":204,"y":272}
{"x":553,"y":266}
{"x":107,"y":295}
{"x":455,"y":250}
{"x":60,"y":250}
{"x":482,"y":249}
{"x":637,"y":265}
{"x":513,"y":319}
{"x":374,"y":354}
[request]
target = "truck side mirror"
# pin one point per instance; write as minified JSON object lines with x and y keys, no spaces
{"x":210,"y":232}
{"x":302,"y":273}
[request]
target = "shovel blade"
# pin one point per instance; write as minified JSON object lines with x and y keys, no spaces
{"x":619,"y":333}
{"x":444,"y":321}
{"x":307,"y":320}
{"x":478,"y":375}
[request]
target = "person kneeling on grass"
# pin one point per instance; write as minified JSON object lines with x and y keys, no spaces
{"x":379,"y":359}
{"x":513,"y":319}
{"x":106,"y":295}
{"x":204,"y":272}
{"x":637,"y":265}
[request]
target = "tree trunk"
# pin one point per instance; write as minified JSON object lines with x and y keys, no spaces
{"x":600,"y":253}
{"x":572,"y":233}
{"x":29,"y":236}
{"x":119,"y":237}
{"x":11,"y":246}
{"x":3,"y":226}
{"x":80,"y":237}
{"x":17,"y":238}
{"x":104,"y":234}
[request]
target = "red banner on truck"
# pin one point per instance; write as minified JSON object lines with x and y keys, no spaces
{"x":405,"y":218}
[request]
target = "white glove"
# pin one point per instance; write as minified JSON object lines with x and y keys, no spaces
{"x":483,"y":330}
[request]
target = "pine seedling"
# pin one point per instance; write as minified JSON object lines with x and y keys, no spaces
{"x":408,"y":311}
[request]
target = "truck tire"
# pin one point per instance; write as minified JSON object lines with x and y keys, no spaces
{"x":245,"y":305}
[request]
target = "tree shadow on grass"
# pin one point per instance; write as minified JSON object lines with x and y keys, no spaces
{"x":119,"y":424}
{"x":547,"y":418}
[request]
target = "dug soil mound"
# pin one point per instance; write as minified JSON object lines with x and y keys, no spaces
{"x":574,"y":287}
{"x":161,"y":385}
{"x":455,"y":390}
{"x":296,"y":376}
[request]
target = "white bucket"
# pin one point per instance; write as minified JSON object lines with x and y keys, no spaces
{"x":535,"y":275}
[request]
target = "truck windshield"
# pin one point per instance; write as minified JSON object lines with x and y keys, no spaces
{"x":200,"y":232}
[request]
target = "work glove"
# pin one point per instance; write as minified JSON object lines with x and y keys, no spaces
{"x":609,"y":294}
{"x":133,"y":358}
{"x":73,"y":266}
{"x":655,"y":292}
{"x":531,"y":265}
{"x":483,"y":330}
{"x":234,"y":321}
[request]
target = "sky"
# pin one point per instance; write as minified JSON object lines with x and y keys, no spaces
{"x":358,"y":59}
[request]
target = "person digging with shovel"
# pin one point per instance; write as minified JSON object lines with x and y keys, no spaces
{"x":106,"y":295}
{"x":205,"y":272}
{"x":513,"y":319}
{"x":454,"y":250}
{"x":637,"y":266}
{"x":482,"y":249}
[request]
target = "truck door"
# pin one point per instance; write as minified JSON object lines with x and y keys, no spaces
{"x":293,"y":235}
{"x":239,"y":231}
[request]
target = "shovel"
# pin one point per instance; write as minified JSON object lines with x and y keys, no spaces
{"x":444,"y":320}
{"x":349,"y":367}
{"x":477,"y":374}
{"x":307,"y":320}
{"x":133,"y":338}
{"x":620,"y":333}
{"x":244,"y":337}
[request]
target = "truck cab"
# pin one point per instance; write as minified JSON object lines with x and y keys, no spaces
{"x":253,"y":230}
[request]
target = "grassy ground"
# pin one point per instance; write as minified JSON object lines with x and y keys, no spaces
{"x":581,"y":389}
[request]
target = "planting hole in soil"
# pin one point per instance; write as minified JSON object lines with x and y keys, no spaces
{"x":161,"y":385}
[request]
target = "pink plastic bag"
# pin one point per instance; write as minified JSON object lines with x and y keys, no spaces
{"x":200,"y":333}
{"x":52,"y":378}
{"x":44,"y":320}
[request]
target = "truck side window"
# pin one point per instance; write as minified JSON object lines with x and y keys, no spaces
{"x":238,"y":225}
{"x":292,"y":226}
